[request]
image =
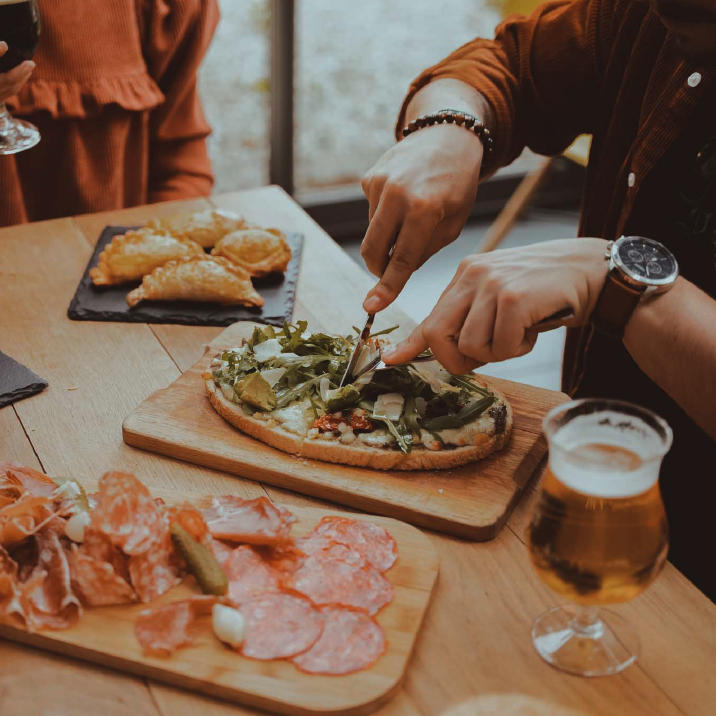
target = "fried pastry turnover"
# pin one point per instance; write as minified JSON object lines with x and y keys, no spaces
{"x":259,"y":251}
{"x":130,"y":256}
{"x":205,"y":227}
{"x":198,"y":278}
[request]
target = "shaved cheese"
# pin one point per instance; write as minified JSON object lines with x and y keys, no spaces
{"x":434,"y":376}
{"x":324,"y":386}
{"x":267,"y":350}
{"x":273,"y":375}
{"x":228,"y":624}
{"x":365,"y":378}
{"x":389,"y":406}
{"x":228,"y":392}
{"x":368,"y":352}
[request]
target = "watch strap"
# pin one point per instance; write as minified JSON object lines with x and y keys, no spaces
{"x":615,"y":305}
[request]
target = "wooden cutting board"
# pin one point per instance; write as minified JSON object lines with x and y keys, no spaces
{"x":106,"y":636}
{"x":472,"y":501}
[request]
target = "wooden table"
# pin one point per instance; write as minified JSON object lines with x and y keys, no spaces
{"x":475,"y":640}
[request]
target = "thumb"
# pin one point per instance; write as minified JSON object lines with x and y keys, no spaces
{"x":404,"y":351}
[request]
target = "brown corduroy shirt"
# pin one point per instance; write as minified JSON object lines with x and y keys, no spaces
{"x":602,"y":67}
{"x":114,"y":95}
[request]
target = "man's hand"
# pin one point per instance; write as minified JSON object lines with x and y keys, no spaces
{"x":13,"y":81}
{"x":420,"y":191}
{"x":487,"y":312}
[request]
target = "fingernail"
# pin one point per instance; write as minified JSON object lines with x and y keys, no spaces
{"x":3,"y":45}
{"x":372,"y":304}
{"x":388,"y":352}
{"x":31,"y":64}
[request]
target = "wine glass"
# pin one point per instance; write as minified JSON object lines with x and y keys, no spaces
{"x":598,"y":534}
{"x":20,"y":29}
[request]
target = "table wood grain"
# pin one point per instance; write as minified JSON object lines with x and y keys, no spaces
{"x":475,"y":640}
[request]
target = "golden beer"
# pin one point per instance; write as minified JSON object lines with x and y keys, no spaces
{"x":589,"y":544}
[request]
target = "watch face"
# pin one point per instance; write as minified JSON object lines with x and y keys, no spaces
{"x":646,"y":261}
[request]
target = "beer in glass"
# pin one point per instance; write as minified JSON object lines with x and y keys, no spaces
{"x":599,"y":533}
{"x":20,"y":29}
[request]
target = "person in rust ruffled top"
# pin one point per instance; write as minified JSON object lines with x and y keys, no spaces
{"x":114,"y":95}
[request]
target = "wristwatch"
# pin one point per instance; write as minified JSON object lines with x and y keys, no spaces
{"x":638,"y":268}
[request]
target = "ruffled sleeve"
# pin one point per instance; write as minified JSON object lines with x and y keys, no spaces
{"x":177,"y":34}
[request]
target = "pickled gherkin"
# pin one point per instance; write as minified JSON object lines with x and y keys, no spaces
{"x":209,"y":575}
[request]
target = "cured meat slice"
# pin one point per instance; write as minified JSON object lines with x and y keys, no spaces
{"x":98,"y":546}
{"x":32,"y":481}
{"x":249,"y":575}
{"x":326,"y":579}
{"x":127,"y":514}
{"x":351,"y":641}
{"x":373,"y":542}
{"x":10,"y":604}
{"x":154,"y":572}
{"x":279,"y":626}
{"x":222,"y":550}
{"x":257,"y":521}
{"x":312,"y":544}
{"x":96,"y":582}
{"x":51,"y":604}
{"x":163,"y":630}
{"x":191,"y":520}
{"x":23,"y":517}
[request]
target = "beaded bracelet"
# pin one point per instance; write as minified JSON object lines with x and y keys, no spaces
{"x":463,"y":119}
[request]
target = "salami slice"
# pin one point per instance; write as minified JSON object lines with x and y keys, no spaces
{"x":96,"y":582}
{"x":313,"y":544}
{"x":163,"y":630}
{"x":249,"y":576}
{"x":351,"y":641}
{"x":127,"y":514}
{"x":222,"y":550}
{"x":326,"y":579}
{"x":279,"y":626}
{"x":98,"y":546}
{"x":191,"y":520}
{"x":257,"y":521}
{"x":154,"y":572}
{"x":376,"y":546}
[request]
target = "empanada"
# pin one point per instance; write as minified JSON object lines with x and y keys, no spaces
{"x":205,"y":227}
{"x":198,"y":278}
{"x":259,"y":251}
{"x":132,"y":255}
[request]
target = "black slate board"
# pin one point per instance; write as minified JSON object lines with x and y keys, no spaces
{"x":17,"y":381}
{"x":108,"y":303}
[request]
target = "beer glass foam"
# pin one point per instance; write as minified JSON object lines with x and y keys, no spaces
{"x":602,"y":455}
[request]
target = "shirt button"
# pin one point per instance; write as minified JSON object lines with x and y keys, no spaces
{"x":631,"y":179}
{"x":694,"y":79}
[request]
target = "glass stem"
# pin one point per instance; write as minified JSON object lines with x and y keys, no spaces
{"x":5,"y":118}
{"x":586,"y":622}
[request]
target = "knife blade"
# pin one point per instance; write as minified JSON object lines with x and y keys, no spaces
{"x":357,"y":349}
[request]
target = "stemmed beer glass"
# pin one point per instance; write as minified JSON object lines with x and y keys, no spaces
{"x":599,"y":533}
{"x":20,"y":29}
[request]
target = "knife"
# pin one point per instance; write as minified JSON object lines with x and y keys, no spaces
{"x":355,"y":355}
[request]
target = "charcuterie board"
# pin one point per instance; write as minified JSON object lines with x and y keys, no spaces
{"x":472,"y":501}
{"x":106,"y":636}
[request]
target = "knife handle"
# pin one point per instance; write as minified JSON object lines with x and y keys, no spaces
{"x":556,"y":320}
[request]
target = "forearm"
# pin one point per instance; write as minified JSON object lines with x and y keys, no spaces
{"x":673,"y":340}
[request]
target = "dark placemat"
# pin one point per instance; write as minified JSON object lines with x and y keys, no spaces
{"x":17,"y":381}
{"x":108,"y":303}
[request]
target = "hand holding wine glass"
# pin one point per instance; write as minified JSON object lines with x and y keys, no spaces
{"x":20,"y":27}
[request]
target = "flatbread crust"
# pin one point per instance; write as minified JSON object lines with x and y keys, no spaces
{"x":357,"y":453}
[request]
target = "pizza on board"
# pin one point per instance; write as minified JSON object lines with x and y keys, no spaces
{"x":281,"y":387}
